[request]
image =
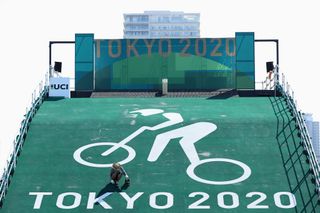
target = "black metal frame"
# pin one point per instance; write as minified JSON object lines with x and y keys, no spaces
{"x":56,"y":42}
{"x":271,"y":40}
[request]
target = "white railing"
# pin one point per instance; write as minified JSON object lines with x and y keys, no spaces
{"x":38,"y":96}
{"x":286,"y":91}
{"x":268,"y":83}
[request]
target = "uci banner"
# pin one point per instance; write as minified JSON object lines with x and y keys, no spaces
{"x":59,"y":87}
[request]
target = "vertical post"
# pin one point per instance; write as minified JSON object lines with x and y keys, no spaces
{"x":277,"y":46}
{"x":15,"y":153}
{"x":50,"y":53}
{"x":164,"y":86}
{"x":277,"y":67}
{"x":47,"y":80}
{"x":292,"y":94}
{"x":50,"y":56}
{"x":276,"y":79}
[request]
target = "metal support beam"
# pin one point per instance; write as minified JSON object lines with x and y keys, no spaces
{"x":271,"y":40}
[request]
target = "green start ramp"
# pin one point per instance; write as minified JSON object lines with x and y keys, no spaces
{"x":181,"y":155}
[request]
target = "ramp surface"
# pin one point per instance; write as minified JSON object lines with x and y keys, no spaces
{"x":181,"y":154}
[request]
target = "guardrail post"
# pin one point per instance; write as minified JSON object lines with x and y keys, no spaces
{"x":292,"y":94}
{"x":14,"y":154}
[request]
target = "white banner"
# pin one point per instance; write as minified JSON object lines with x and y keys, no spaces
{"x":59,"y":87}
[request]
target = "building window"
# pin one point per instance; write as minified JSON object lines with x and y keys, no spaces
{"x":157,"y":24}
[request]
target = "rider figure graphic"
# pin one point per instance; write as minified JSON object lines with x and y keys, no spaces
{"x":188,"y":136}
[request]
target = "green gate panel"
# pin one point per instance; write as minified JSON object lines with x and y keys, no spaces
{"x":245,"y":66}
{"x":84,"y":60}
{"x":141,"y":64}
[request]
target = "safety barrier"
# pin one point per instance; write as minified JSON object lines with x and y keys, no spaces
{"x":288,"y":94}
{"x":267,"y":84}
{"x":37,"y":99}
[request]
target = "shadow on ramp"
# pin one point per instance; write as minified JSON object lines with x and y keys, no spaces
{"x":223,"y":94}
{"x":55,"y":98}
{"x":111,"y":188}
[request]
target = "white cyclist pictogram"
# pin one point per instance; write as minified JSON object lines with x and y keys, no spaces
{"x":189,"y":135}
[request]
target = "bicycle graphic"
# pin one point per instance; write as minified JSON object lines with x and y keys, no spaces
{"x":189,"y":135}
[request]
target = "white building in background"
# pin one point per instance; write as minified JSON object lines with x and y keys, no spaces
{"x":314,"y":132}
{"x":161,"y":24}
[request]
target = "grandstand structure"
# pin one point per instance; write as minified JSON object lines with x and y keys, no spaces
{"x":211,"y":143}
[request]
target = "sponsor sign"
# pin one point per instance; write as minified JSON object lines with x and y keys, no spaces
{"x":59,"y":87}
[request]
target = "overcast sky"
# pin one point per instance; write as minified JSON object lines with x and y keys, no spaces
{"x":28,"y":26}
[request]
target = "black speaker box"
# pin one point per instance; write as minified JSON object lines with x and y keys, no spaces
{"x":270,"y":66}
{"x":57,"y":66}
